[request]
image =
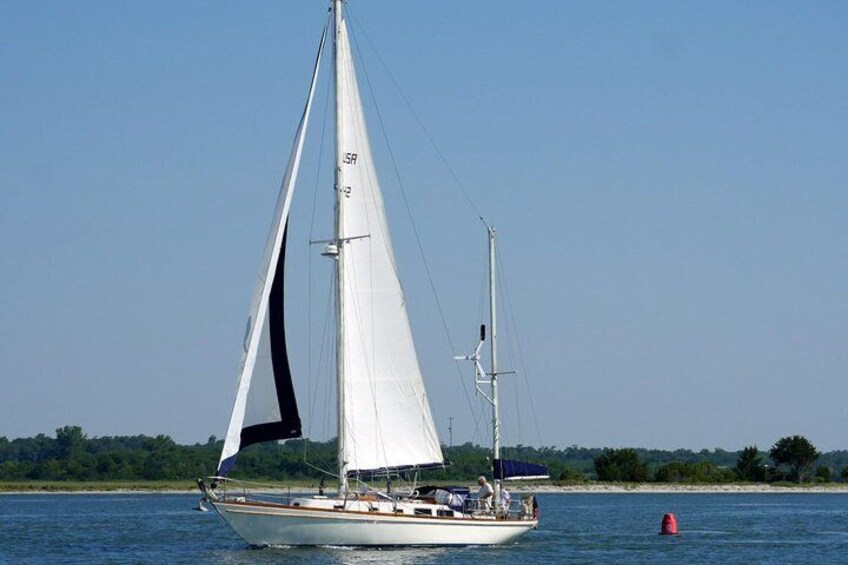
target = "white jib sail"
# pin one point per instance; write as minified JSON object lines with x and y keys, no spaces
{"x":257,"y":397}
{"x":387,"y":418}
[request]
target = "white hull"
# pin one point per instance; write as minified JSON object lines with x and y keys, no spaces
{"x":266,"y":524}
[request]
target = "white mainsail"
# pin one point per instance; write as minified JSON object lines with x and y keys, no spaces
{"x":265,"y":408}
{"x":387,"y":419}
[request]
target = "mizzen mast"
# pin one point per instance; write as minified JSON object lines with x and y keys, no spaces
{"x":493,"y":326}
{"x":482,"y":377}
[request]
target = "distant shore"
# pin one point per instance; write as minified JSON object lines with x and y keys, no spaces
{"x":179,"y":487}
{"x":672,"y":488}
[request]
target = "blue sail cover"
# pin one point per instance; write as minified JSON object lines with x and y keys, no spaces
{"x":505,"y":469}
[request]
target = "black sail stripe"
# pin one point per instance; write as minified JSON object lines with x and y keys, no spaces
{"x":290,"y":426}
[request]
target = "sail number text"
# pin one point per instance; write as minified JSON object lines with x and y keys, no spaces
{"x":349,"y":158}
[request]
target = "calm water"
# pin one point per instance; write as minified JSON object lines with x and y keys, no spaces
{"x":576,"y":528}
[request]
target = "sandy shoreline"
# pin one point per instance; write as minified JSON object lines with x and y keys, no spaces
{"x":594,"y":488}
{"x":656,"y":488}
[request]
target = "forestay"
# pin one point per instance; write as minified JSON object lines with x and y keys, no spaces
{"x":387,"y":418}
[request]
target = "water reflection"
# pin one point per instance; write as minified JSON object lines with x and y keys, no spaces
{"x":338,"y":554}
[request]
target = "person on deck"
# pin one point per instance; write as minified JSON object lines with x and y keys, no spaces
{"x":505,"y":498}
{"x":484,"y":495}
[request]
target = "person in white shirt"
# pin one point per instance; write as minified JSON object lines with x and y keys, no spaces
{"x":484,"y":495}
{"x":505,"y":498}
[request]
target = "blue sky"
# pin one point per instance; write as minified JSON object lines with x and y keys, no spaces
{"x":668,"y":180}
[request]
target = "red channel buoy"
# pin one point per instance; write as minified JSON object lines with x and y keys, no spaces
{"x":669,"y":525}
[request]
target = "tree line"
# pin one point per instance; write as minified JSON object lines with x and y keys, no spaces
{"x":72,"y":456}
{"x":790,"y":459}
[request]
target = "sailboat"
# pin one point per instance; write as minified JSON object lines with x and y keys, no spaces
{"x":385,"y":425}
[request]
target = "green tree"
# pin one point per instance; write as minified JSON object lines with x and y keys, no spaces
{"x":749,"y":465}
{"x":571,"y":475}
{"x":844,"y":474}
{"x":797,"y":453}
{"x":823,"y":474}
{"x":700,"y":472}
{"x":70,"y":442}
{"x":673,"y":472}
{"x":620,"y":465}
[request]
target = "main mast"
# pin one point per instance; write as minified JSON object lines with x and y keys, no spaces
{"x":342,"y":463}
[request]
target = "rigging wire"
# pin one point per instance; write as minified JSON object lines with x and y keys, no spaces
{"x":321,"y":357}
{"x":320,"y":161}
{"x":406,"y":200}
{"x":419,"y":121}
{"x":512,"y":382}
{"x":319,"y":168}
{"x":482,"y":306}
{"x":511,"y":317}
